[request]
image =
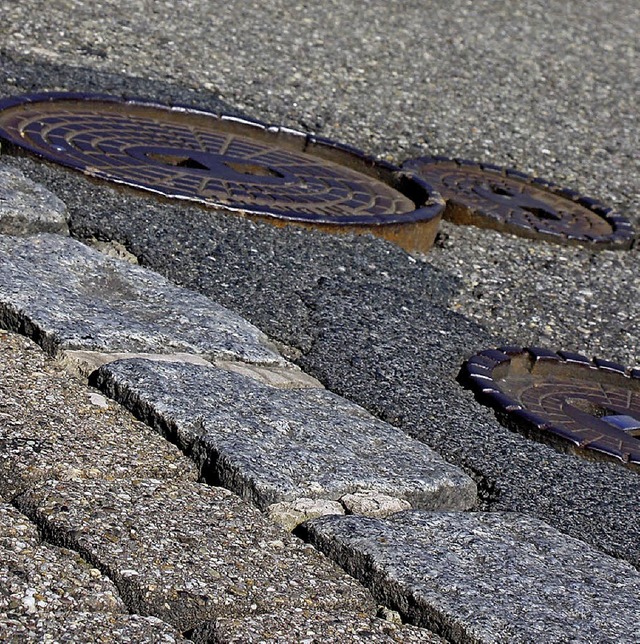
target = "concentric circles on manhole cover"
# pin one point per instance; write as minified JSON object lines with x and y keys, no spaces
{"x":225,"y":162}
{"x":588,"y":407}
{"x":489,"y":196}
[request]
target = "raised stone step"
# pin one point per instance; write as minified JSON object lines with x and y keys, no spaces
{"x":53,"y":427}
{"x":486,"y":577}
{"x":189,"y":553}
{"x":270,"y":445}
{"x":66,"y":295}
{"x":27,"y":207}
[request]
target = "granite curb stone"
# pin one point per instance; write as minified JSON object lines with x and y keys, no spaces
{"x":189,"y":553}
{"x":270,"y":445}
{"x":39,"y":580}
{"x":66,"y":295}
{"x":486,"y":577}
{"x":27,"y":207}
{"x":285,"y":627}
{"x":89,"y":628}
{"x":53,"y":427}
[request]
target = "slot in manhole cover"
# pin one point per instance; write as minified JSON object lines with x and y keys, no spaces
{"x":506,"y":200}
{"x":588,"y":407}
{"x":225,"y":162}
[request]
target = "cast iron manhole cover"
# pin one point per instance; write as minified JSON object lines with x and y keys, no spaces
{"x":589,"y":407}
{"x":225,"y":162}
{"x":492,"y":197}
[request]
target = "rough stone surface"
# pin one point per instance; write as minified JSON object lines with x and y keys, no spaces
{"x":67,"y":295}
{"x":281,"y":377}
{"x":282,"y":445}
{"x":286,"y":626}
{"x":51,"y":426}
{"x":373,"y":505}
{"x":290,"y":514}
{"x":39,"y":580}
{"x":27,"y":207}
{"x":188,"y":553}
{"x":487,"y":577}
{"x":89,"y":628}
{"x":15,"y":526}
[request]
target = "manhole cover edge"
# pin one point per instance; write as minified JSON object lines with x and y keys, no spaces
{"x":429,"y":205}
{"x":622,"y":236}
{"x":477,"y":375}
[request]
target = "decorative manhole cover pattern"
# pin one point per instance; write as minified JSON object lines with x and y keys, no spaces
{"x":493,"y":197}
{"x":225,"y":162}
{"x":589,"y":407}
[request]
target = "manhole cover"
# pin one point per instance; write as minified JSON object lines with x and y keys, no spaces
{"x":590,"y":407}
{"x":506,"y":200}
{"x":225,"y":162}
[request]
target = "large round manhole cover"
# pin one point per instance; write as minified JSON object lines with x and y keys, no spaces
{"x":589,"y":407}
{"x":506,"y":200}
{"x":225,"y":162}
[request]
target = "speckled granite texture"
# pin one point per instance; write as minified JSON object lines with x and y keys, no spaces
{"x":487,"y":577}
{"x":269,"y":445}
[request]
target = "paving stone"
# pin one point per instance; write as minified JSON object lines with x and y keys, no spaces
{"x":290,"y":514}
{"x":15,"y":526}
{"x":69,"y":296}
{"x":491,"y":577}
{"x":38,"y":579}
{"x":89,"y":628}
{"x":270,"y":445}
{"x":27,"y":207}
{"x":298,"y":626}
{"x":190,"y":553}
{"x":52,"y":426}
{"x":373,"y":505}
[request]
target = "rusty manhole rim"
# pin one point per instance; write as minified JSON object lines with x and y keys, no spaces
{"x":428,"y":205}
{"x":478,"y":375}
{"x":621,"y":237}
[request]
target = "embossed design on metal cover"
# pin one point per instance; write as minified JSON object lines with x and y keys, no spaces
{"x":489,"y":196}
{"x":588,"y":407}
{"x":225,"y":162}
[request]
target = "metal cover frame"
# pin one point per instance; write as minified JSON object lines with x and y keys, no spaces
{"x":559,"y":374}
{"x":461,"y":210}
{"x":427,"y":203}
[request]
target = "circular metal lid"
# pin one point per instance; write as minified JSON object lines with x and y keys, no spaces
{"x":493,"y":197}
{"x":592,"y":407}
{"x":218,"y":160}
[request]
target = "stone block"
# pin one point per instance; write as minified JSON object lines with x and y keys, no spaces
{"x":189,"y":553}
{"x":66,"y":295}
{"x":486,"y":577}
{"x":270,"y":445}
